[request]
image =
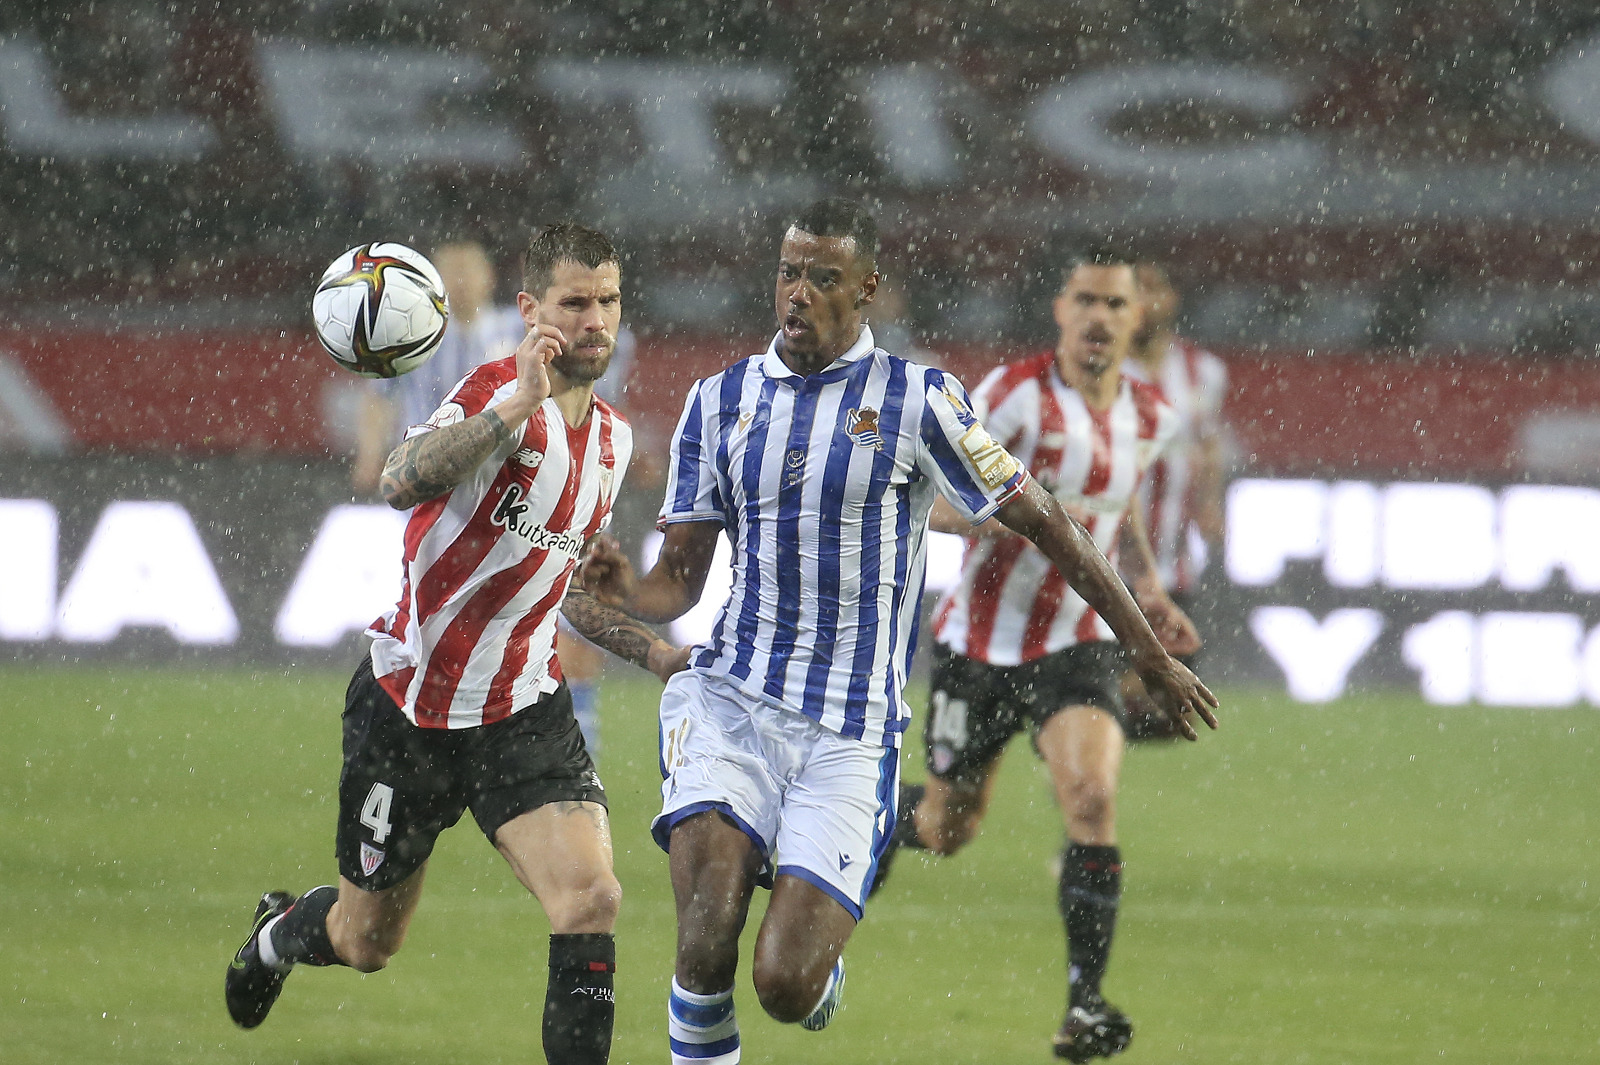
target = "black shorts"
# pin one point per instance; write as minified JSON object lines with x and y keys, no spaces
{"x":974,"y":708}
{"x":402,"y":785}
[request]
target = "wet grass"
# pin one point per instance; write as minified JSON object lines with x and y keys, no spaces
{"x":1375,"y":881}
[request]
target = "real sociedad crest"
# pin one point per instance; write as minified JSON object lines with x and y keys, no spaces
{"x":863,"y":428}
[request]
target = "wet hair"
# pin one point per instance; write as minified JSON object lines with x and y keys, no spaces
{"x":1097,"y":253}
{"x":839,"y":217}
{"x":562,"y":242}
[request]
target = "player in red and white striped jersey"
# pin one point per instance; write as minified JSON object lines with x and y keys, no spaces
{"x":1017,"y":648}
{"x":486,"y":564}
{"x":1182,"y":493}
{"x":460,"y":704}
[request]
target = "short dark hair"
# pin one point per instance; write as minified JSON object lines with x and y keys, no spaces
{"x":1096,"y":253}
{"x":840,"y":217}
{"x":563,"y":242}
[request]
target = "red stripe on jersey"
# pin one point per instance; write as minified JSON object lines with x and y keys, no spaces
{"x":984,"y":593}
{"x":423,"y":517}
{"x":1148,"y":401}
{"x":396,"y":684}
{"x":497,"y":705}
{"x":473,"y":544}
{"x":498,"y":702}
{"x":462,"y":635}
{"x":1052,"y":426}
{"x":1046,"y":605}
{"x":479,"y":387}
{"x":1011,"y":376}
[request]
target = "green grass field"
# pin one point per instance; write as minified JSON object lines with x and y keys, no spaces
{"x":1374,"y":881}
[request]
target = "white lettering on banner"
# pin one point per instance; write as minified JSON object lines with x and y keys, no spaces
{"x":1505,"y":658}
{"x":1271,"y":523}
{"x":1438,"y":536}
{"x":1529,"y":659}
{"x":1315,"y":658}
{"x":1571,"y":87}
{"x":1446,"y":537}
{"x":1075,"y":120}
{"x":27,"y":569}
{"x":37,"y":121}
{"x":907,"y":108}
{"x":1350,"y":559}
{"x":145,"y":565}
{"x":1544,"y":527}
{"x":683,"y":172}
{"x":350,"y":576}
{"x":1444,"y":650}
{"x":335,"y":102}
{"x":674,"y":103}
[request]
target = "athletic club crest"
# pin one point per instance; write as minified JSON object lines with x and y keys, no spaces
{"x":371,"y":858}
{"x":862,"y":427}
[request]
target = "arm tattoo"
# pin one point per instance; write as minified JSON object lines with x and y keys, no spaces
{"x":605,"y":626}
{"x":431,"y":464}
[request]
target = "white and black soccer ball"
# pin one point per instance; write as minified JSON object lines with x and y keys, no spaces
{"x":380,"y":310}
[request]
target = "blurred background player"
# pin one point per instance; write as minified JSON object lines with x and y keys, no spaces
{"x":479,"y":332}
{"x":1182,"y":494}
{"x":460,"y":704}
{"x":1018,"y":648}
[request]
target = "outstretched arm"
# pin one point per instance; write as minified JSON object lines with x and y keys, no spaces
{"x":1172,"y":626}
{"x":626,"y":637}
{"x":1036,"y":514}
{"x":431,"y":464}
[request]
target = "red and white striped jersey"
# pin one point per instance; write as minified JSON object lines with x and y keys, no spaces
{"x":472,"y":639}
{"x":1195,"y":382}
{"x":1011,"y":604}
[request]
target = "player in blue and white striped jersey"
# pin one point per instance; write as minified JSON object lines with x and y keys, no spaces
{"x":820,"y":459}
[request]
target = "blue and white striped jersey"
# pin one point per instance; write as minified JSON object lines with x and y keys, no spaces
{"x":823,"y":485}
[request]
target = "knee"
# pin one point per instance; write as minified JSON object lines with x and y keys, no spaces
{"x":591,"y":906}
{"x":1092,"y":801}
{"x":945,"y":829}
{"x":786,"y":995}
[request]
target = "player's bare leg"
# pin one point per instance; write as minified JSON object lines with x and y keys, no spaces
{"x":798,"y":948}
{"x":1083,"y":748}
{"x":951,"y":811}
{"x":325,"y":926}
{"x":367,"y":928}
{"x":714,"y":867}
{"x":561,"y":852}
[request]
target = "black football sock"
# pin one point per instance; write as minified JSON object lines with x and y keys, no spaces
{"x":301,"y":934}
{"x":1091,"y":887}
{"x":579,"y":1006}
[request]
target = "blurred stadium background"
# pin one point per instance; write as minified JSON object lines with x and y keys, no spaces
{"x":1384,"y":216}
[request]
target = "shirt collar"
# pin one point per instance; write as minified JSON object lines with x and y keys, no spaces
{"x":773,"y":365}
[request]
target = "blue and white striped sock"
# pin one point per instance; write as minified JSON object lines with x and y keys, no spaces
{"x":702,"y":1029}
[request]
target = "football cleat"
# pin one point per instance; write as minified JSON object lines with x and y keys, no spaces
{"x":818,"y":1018}
{"x":252,"y":985}
{"x":1097,"y":1030}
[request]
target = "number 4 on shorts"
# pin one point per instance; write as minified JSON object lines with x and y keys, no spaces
{"x":375,"y":811}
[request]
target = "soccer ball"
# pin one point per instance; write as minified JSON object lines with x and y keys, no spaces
{"x":380,"y":310}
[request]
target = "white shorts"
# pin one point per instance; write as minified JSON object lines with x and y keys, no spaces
{"x":817,"y":805}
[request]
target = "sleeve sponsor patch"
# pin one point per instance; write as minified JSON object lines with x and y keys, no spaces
{"x":994,"y":463}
